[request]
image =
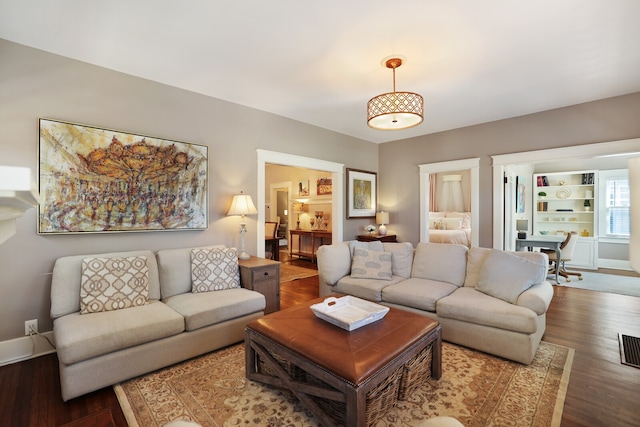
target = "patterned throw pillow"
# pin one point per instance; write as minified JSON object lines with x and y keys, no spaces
{"x":113,"y":283}
{"x":368,"y":264}
{"x":214,"y":269}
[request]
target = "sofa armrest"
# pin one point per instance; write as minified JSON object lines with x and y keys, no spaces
{"x":537,"y":298}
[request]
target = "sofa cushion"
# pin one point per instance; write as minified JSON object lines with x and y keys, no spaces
{"x":80,"y":337}
{"x":401,"y":258}
{"x":113,"y":283}
{"x":174,"y":267}
{"x":364,"y":288}
{"x":477,"y":255}
{"x":373,"y":246}
{"x":440,"y":262}
{"x":214,"y":269}
{"x":506,"y":276}
{"x":334,"y":262}
{"x":417,"y":293}
{"x":209,"y":308}
{"x":67,"y":277}
{"x":469,"y":305}
{"x":368,"y":264}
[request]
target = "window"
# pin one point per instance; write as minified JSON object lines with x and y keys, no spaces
{"x":614,"y":205}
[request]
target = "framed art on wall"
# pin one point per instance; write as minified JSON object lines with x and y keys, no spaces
{"x":94,"y":180}
{"x":361,"y":194}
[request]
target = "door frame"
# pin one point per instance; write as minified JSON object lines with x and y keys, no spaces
{"x":284,"y":159}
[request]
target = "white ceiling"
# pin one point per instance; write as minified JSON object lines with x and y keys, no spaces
{"x":319,"y":62}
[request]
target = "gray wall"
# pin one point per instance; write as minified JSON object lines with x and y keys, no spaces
{"x":599,"y":121}
{"x":37,"y":84}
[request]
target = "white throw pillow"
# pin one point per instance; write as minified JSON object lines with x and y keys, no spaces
{"x":214,"y":269}
{"x":452,"y":223}
{"x":113,"y":283}
{"x":466,"y":218}
{"x":506,"y":276}
{"x":368,"y":264}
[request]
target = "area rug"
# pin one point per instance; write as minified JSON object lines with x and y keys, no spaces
{"x":612,"y":283}
{"x":476,"y":388}
{"x":292,"y":272}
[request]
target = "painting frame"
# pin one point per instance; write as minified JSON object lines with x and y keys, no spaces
{"x":521,"y":187}
{"x":99,"y":180}
{"x":362,"y":193}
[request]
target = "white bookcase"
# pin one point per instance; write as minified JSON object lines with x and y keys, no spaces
{"x":565,"y":202}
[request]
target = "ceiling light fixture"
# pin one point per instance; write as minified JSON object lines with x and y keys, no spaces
{"x":395,"y":110}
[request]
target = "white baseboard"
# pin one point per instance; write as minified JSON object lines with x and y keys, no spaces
{"x":25,"y":348}
{"x":615,"y":264}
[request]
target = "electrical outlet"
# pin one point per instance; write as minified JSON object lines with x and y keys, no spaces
{"x":30,"y":325}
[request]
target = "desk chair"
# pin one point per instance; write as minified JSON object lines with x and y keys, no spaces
{"x":270,"y":232}
{"x":566,"y":252}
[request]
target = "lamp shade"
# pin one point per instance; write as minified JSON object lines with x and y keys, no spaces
{"x":382,"y":218}
{"x":242,"y":205}
{"x":395,"y":110}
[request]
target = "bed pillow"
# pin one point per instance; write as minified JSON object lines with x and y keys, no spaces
{"x":214,"y":269}
{"x":368,"y":264}
{"x":506,"y":276}
{"x":437,"y":224}
{"x":466,"y":218}
{"x":113,"y":283}
{"x":452,"y":223}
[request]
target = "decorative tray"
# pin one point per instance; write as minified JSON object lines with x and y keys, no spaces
{"x":349,"y":312}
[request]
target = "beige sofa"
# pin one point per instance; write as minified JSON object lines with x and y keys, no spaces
{"x":99,"y":349}
{"x":486,"y":299}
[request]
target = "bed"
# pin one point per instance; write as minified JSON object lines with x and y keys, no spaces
{"x":450,"y":227}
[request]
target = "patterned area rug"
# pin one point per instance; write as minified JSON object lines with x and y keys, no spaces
{"x":477,"y":389}
{"x":292,"y":272}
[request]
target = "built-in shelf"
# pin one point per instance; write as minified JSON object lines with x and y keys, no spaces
{"x":17,"y":195}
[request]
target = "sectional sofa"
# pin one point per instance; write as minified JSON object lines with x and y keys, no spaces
{"x":107,"y":328}
{"x":490,"y":300}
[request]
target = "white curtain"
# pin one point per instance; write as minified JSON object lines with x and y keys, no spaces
{"x":451,"y":195}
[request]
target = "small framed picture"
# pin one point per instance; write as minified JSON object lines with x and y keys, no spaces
{"x":362,"y":191}
{"x":303,"y":187}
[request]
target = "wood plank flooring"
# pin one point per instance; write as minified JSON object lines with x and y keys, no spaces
{"x":601,"y":391}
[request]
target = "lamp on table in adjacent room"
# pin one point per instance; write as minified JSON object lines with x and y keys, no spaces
{"x":242,"y":205}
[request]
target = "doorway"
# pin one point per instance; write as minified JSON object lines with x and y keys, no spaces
{"x":473,"y":166}
{"x":337,"y":198}
{"x":591,"y":156}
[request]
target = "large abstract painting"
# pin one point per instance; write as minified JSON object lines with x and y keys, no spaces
{"x":94,"y":180}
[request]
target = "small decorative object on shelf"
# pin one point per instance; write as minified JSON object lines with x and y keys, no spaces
{"x":369,"y":228}
{"x":542,"y":195}
{"x":587,"y":205}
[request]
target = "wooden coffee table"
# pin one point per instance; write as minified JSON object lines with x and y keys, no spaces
{"x":344,"y":378}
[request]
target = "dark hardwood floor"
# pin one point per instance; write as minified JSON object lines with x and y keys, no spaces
{"x":601,"y":391}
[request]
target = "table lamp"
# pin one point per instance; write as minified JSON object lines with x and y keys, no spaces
{"x":522,"y":225}
{"x":242,"y":205}
{"x":382,"y":218}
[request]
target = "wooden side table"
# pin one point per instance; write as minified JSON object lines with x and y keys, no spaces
{"x":262,"y":275}
{"x":373,"y":237}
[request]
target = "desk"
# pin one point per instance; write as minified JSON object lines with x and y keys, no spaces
{"x":313,"y":235}
{"x":548,"y":242}
{"x":273,"y":245}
